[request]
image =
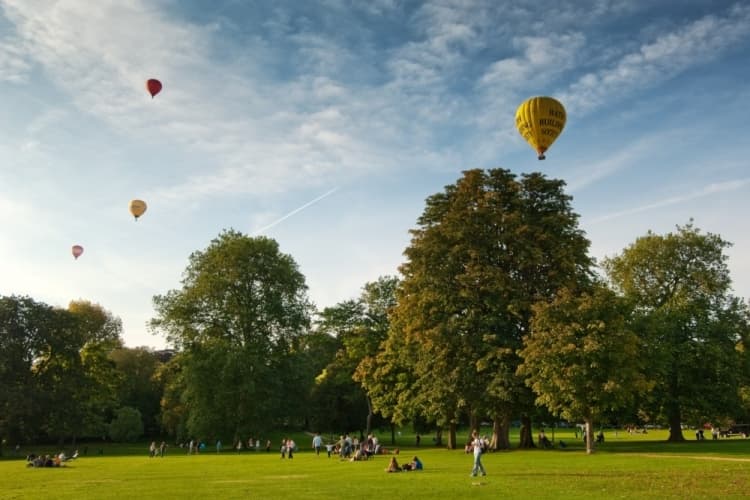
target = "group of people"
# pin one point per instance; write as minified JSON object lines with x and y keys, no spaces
{"x":348,"y":448}
{"x":415,"y":464}
{"x":252,"y":445}
{"x":288,"y":447}
{"x":33,"y":460}
{"x":160,"y":450}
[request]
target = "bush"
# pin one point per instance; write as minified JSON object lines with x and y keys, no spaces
{"x":127,"y":426}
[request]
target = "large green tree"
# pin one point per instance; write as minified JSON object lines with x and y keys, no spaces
{"x":581,"y":358}
{"x":238,"y":319}
{"x":336,"y":400}
{"x":101,"y":332}
{"x":485,"y":250}
{"x":54,"y":378}
{"x":24,"y":331}
{"x":138,"y":385}
{"x":359,"y":326}
{"x":689,"y":322}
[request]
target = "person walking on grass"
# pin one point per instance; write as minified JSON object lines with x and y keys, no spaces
{"x":317,"y":443}
{"x":478,"y":444}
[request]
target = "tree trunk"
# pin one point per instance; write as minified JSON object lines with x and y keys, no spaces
{"x":501,"y":432}
{"x":527,"y":440}
{"x":393,"y":434}
{"x":674,"y":415}
{"x":439,"y":437}
{"x":452,"y":436}
{"x":589,"y":437}
{"x":675,"y":426}
{"x":369,"y":416}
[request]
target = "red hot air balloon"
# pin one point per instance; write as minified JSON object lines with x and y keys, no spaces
{"x":153,"y":86}
{"x":77,"y":251}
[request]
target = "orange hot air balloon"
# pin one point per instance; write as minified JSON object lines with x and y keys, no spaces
{"x":137,"y":208}
{"x":77,"y":251}
{"x":153,"y":86}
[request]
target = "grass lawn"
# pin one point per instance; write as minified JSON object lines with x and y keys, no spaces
{"x":639,"y":466}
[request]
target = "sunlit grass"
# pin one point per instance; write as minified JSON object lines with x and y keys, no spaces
{"x":625,"y":466}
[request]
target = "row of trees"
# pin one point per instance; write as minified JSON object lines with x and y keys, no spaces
{"x":64,"y":373}
{"x":500,"y":314}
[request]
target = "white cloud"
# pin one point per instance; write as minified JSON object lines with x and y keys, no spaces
{"x":542,"y":58}
{"x":660,"y":60}
{"x":252,"y":134}
{"x":14,"y":67}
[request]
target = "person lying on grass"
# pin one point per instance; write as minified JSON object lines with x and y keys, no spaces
{"x":393,"y":466}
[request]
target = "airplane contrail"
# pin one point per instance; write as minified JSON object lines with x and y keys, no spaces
{"x":298,"y":209}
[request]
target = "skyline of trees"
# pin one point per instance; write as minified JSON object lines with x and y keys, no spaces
{"x":498,"y":315}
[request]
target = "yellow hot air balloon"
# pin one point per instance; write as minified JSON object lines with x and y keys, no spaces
{"x":540,"y":120}
{"x":137,"y":208}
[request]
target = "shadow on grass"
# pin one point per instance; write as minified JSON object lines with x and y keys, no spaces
{"x":729,"y":446}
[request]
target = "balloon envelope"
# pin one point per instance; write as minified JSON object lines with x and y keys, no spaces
{"x":153,"y":86}
{"x":77,"y":251}
{"x":137,"y":208}
{"x":540,"y":120}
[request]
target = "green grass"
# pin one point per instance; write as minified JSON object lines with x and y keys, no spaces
{"x":638,"y":466}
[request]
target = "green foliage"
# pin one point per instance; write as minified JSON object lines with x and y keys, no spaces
{"x":689,"y":323}
{"x":486,"y":249}
{"x":173,"y":416}
{"x":23,"y":337}
{"x":240,"y":319}
{"x":53,"y":382}
{"x":581,"y":358}
{"x":359,"y":327}
{"x":126,"y":426}
{"x":138,"y":386}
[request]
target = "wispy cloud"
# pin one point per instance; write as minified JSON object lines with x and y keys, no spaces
{"x":660,"y":60}
{"x":242,"y":134}
{"x":541,"y":58}
{"x":14,"y":67}
{"x":240,"y":130}
{"x":711,"y":189}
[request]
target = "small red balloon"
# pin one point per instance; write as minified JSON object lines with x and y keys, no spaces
{"x":77,"y":251}
{"x":153,"y":86}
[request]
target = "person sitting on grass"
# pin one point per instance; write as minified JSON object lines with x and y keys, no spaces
{"x":544,"y":442}
{"x":358,"y":456}
{"x":393,"y":466}
{"x":415,"y":464}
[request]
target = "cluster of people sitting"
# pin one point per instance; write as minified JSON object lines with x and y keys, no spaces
{"x":415,"y":464}
{"x":355,"y":449}
{"x":33,"y":460}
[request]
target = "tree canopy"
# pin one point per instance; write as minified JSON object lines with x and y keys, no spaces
{"x":485,"y":250}
{"x":690,"y":324}
{"x":581,"y":358}
{"x":238,"y":318}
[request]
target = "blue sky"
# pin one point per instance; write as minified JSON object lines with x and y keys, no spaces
{"x":325,"y":125}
